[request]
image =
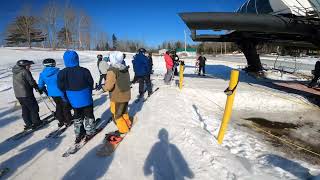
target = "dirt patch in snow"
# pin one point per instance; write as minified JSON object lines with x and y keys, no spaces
{"x":284,"y":131}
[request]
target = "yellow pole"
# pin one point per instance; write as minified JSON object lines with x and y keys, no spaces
{"x":228,"y":108}
{"x":181,"y":76}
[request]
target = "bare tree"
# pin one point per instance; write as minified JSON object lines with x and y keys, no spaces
{"x":84,"y":23}
{"x":69,"y":18}
{"x":49,"y":20}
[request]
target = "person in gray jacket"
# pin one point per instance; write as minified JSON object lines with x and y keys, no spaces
{"x":103,"y":66}
{"x":23,"y":85}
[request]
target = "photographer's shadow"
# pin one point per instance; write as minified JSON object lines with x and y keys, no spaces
{"x":165,"y":161}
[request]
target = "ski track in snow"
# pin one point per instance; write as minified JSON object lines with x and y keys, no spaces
{"x":174,"y":137}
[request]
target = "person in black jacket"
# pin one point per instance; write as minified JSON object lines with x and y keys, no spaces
{"x":23,"y":85}
{"x":102,"y":75}
{"x":202,"y":64}
{"x":175,"y":59}
{"x":77,"y":84}
{"x":316,"y":73}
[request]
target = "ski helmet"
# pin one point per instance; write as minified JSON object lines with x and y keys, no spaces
{"x":99,"y":56}
{"x":142,"y":50}
{"x":49,"y":62}
{"x":24,"y":62}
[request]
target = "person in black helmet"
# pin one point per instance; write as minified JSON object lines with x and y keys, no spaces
{"x":23,"y":85}
{"x":48,"y":83}
{"x":142,"y":71}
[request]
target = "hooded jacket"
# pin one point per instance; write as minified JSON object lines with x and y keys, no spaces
{"x":48,"y":77}
{"x":23,"y":82}
{"x":75,"y":81}
{"x":118,"y":79}
{"x":141,"y":65}
{"x":168,"y":60}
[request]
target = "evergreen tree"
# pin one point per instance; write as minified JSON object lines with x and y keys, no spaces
{"x":24,"y":29}
{"x":114,"y":42}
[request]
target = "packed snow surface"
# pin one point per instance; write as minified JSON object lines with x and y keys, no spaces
{"x":174,"y":137}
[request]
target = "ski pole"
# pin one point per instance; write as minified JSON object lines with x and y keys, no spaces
{"x":45,"y":103}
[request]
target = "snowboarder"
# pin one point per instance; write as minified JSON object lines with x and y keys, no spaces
{"x":142,"y":71}
{"x":48,"y":84}
{"x":316,"y":73}
{"x":103,"y":68}
{"x":102,"y":76}
{"x":77,"y":83}
{"x":202,"y":63}
{"x":169,"y":66}
{"x":118,"y":84}
{"x":23,"y":85}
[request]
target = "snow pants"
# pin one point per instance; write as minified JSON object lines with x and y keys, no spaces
{"x":120,"y":116}
{"x":102,"y":76}
{"x":30,"y":110}
{"x":63,"y":110}
{"x":144,"y":79}
{"x":168,"y":76}
{"x":84,"y":121}
{"x":316,"y":74}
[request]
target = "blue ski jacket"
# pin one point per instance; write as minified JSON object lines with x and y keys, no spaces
{"x":48,"y":77}
{"x":141,"y":65}
{"x":75,"y":81}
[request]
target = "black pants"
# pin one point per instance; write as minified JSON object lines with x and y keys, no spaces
{"x":201,"y":68}
{"x":63,"y":113}
{"x":30,"y":110}
{"x":102,"y":76}
{"x":315,"y":79}
{"x":144,"y":79}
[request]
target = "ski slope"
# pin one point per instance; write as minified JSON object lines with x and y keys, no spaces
{"x":174,"y":137}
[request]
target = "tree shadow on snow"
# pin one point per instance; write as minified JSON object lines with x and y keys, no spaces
{"x":290,"y":166}
{"x":89,"y":167}
{"x":28,"y":153}
{"x":223,"y":72}
{"x":165,"y":160}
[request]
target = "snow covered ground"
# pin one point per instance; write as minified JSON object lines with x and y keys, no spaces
{"x":175,"y":136}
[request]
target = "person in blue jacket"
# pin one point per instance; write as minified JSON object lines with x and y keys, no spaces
{"x":48,"y":83}
{"x":77,"y":83}
{"x":142,"y":71}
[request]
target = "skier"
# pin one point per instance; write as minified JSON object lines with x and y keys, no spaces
{"x":103,"y":68}
{"x":202,"y":63}
{"x":23,"y":85}
{"x":77,"y":83}
{"x":175,"y":59}
{"x":48,"y":84}
{"x":118,"y":84}
{"x":102,"y":75}
{"x":142,"y":71}
{"x":169,"y":66}
{"x":316,"y":73}
{"x":150,"y":62}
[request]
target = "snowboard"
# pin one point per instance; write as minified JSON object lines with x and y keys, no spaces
{"x":76,"y":147}
{"x":106,"y":149}
{"x":24,"y":133}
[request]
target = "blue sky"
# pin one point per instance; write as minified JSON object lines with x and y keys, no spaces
{"x":151,"y":21}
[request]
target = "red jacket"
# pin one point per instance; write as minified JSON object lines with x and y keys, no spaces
{"x":169,"y":62}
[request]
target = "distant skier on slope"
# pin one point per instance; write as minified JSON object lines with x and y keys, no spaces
{"x":118,"y":84}
{"x":77,"y":83}
{"x":141,"y":67}
{"x":48,"y":83}
{"x":23,"y":85}
{"x":169,"y":66}
{"x":150,"y":62}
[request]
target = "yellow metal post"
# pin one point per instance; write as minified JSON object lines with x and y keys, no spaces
{"x":181,"y":76}
{"x":228,"y":108}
